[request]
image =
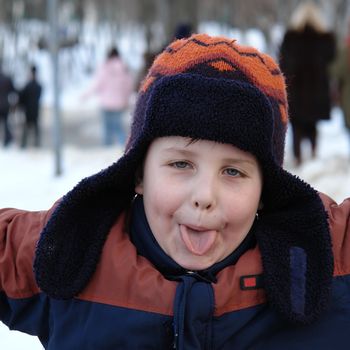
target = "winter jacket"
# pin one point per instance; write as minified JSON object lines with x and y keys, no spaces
{"x":305,"y":59}
{"x":113,"y":85}
{"x":130,"y":304}
{"x":6,"y":88}
{"x":341,"y":72}
{"x":29,"y":99}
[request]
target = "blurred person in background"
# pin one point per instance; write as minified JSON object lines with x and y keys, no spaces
{"x":6,"y":89}
{"x":183,"y":30}
{"x":113,"y":85}
{"x":29,"y":100}
{"x":341,"y":74}
{"x":307,"y":50}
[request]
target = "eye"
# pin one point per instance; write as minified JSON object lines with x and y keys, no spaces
{"x":180,"y":164}
{"x":232,"y":172}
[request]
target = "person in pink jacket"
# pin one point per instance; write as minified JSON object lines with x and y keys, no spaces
{"x":113,"y":85}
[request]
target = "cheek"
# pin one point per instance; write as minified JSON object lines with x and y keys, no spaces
{"x":241,"y":212}
{"x":163,"y":200}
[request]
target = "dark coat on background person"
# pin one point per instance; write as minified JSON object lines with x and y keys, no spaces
{"x":6,"y":88}
{"x":304,"y":59}
{"x":29,"y":99}
{"x":341,"y":74}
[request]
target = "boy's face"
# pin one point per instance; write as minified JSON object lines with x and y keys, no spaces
{"x":200,"y":198}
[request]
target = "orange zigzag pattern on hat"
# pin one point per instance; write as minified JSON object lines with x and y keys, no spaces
{"x":223,"y":55}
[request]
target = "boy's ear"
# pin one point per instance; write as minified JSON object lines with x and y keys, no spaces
{"x":139,"y":181}
{"x":139,"y":187}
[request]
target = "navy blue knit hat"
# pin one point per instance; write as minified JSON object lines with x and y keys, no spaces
{"x":204,"y":88}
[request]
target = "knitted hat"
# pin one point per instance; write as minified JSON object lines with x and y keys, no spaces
{"x":204,"y":88}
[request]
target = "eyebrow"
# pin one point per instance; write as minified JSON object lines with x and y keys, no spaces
{"x":178,"y":150}
{"x":239,"y":161}
{"x":186,"y":152}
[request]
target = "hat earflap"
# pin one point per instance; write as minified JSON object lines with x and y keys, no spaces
{"x":293,"y":237}
{"x":71,"y":243}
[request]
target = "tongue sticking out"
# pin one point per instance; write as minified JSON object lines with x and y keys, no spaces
{"x":197,"y":242}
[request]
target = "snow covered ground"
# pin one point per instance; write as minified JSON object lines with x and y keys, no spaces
{"x":27,"y":176}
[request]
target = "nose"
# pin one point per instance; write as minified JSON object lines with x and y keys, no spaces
{"x":204,"y":193}
{"x":206,"y":205}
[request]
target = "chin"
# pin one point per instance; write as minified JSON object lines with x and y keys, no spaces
{"x":195,"y":264}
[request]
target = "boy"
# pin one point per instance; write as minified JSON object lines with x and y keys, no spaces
{"x":196,"y":238}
